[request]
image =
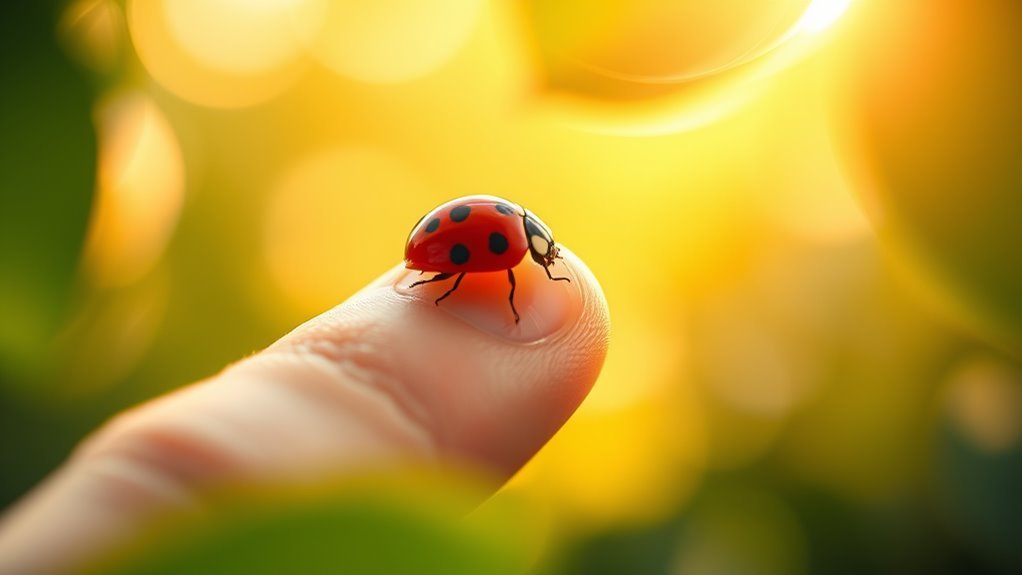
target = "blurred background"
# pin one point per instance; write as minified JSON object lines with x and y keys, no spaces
{"x":804,"y":213}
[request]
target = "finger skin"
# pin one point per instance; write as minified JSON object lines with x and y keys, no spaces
{"x":384,"y":380}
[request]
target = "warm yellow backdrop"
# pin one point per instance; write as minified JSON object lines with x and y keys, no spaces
{"x":714,"y":163}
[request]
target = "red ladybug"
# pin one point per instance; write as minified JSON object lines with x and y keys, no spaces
{"x":478,"y":234}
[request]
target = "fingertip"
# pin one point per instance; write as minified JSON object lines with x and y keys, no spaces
{"x":383,"y":381}
{"x":546,"y":301}
{"x":594,"y":315}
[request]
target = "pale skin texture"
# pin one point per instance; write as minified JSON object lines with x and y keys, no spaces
{"x":383,"y":381}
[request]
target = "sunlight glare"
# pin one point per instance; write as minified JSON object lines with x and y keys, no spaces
{"x":822,"y":14}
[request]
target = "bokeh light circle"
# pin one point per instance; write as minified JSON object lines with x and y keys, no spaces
{"x":333,"y":218}
{"x":935,"y":126}
{"x":223,"y":53}
{"x":734,"y":529}
{"x":652,"y":67}
{"x":984,"y":401}
{"x":242,"y":36}
{"x":393,"y":41}
{"x":657,"y":42}
{"x":139,"y":193}
{"x":95,"y":34}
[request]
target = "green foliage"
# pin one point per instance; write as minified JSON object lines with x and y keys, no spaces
{"x":357,"y":533}
{"x":47,"y":175}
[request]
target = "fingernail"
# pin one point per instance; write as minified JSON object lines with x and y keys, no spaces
{"x":482,"y":299}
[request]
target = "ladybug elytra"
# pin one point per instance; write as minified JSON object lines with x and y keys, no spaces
{"x":478,"y":234}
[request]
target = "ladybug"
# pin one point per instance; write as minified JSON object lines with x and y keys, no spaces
{"x":478,"y":234}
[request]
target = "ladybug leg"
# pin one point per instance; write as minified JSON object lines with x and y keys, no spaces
{"x":547,"y":268}
{"x":436,"y":278}
{"x":457,"y":282}
{"x":511,"y":298}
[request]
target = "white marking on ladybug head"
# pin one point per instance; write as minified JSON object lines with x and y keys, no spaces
{"x":540,"y":245}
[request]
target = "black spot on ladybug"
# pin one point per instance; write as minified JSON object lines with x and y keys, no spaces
{"x":460,"y":213}
{"x":505,"y":209}
{"x":432,"y":225}
{"x":498,"y":243}
{"x":459,"y":254}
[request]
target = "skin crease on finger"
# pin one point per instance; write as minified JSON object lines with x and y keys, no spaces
{"x":385,"y":379}
{"x":480,"y":396}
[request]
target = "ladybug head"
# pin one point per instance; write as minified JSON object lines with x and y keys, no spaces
{"x":541,"y":240}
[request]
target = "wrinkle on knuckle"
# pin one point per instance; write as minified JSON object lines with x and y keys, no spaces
{"x":158,"y":463}
{"x":367,"y":367}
